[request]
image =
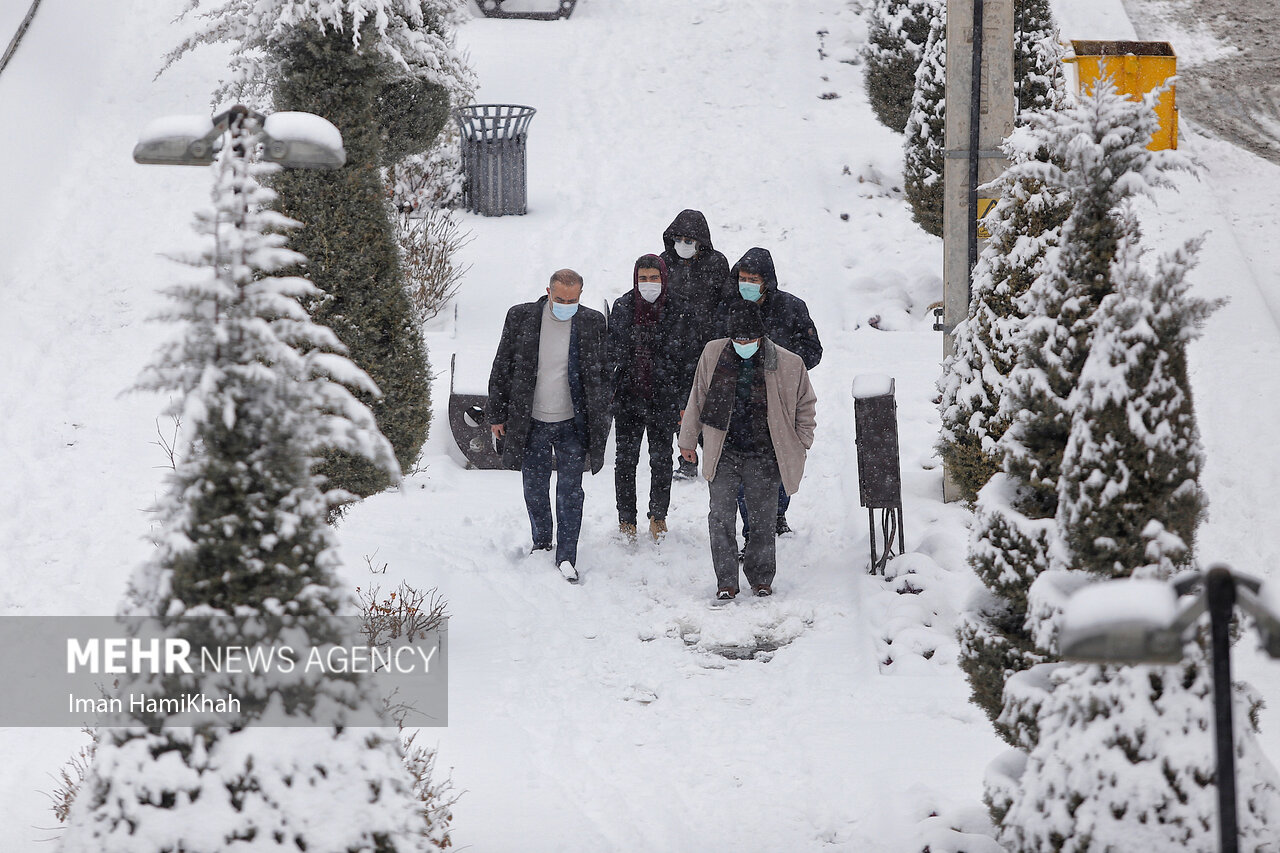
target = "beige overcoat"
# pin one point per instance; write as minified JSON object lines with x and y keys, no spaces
{"x":792,"y":411}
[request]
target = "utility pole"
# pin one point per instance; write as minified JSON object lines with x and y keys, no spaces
{"x":980,"y":111}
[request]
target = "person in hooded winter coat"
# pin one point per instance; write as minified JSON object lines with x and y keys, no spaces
{"x":549,"y":396}
{"x":753,"y":405}
{"x":787,"y":323}
{"x":698,"y":287}
{"x":645,"y":360}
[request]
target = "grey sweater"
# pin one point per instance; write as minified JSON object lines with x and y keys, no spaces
{"x":552,"y":401}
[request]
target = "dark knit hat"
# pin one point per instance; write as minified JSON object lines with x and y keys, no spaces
{"x":745,"y":322}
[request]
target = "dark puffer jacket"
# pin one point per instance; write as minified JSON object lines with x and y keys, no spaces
{"x":515,"y":373}
{"x":664,"y":389}
{"x":786,"y":317}
{"x":697,"y":287}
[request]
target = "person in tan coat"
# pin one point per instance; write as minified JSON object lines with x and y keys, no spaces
{"x":753,"y":405}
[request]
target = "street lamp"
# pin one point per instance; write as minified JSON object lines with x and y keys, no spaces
{"x":292,"y":139}
{"x":1141,"y":621}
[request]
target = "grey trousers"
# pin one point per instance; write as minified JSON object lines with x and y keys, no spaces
{"x":759,"y":479}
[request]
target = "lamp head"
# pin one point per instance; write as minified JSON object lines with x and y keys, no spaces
{"x":1122,"y":621}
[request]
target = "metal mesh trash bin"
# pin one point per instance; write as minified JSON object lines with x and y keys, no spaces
{"x":493,"y":157}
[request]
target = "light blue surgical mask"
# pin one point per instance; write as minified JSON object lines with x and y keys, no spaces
{"x":746,"y":350}
{"x":750,"y":292}
{"x":564,"y":311}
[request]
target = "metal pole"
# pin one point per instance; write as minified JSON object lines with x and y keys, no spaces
{"x":1220,"y":590}
{"x":17,"y":37}
{"x":975,"y":125}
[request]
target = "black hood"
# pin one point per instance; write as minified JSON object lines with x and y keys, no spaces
{"x":757,"y":261}
{"x":689,"y":223}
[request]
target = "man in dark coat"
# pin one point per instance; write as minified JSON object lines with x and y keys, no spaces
{"x":787,"y":323}
{"x":549,"y":395}
{"x":699,"y":284}
{"x":646,"y":364}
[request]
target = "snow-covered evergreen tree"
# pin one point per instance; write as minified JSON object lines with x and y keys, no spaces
{"x":1039,"y":82}
{"x":349,"y":242}
{"x":382,"y":71}
{"x":1098,"y":160}
{"x":898,"y":30}
{"x":1124,"y":760}
{"x":1133,"y":455}
{"x":924,"y":145}
{"x":1024,"y":224}
{"x":1090,"y":159}
{"x":414,"y":38}
{"x":1038,"y":79}
{"x":244,"y":556}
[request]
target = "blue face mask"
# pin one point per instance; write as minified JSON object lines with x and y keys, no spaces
{"x":750,"y":292}
{"x":563,"y":311}
{"x":746,"y":350}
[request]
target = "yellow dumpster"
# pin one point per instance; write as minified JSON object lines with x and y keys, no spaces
{"x":1137,"y":67}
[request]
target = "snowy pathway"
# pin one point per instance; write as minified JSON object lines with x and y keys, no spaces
{"x":616,"y":715}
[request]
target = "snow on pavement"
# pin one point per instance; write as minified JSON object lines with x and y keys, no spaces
{"x":626,"y":712}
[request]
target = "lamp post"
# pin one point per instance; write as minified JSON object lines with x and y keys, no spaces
{"x":1141,"y":621}
{"x":292,"y":139}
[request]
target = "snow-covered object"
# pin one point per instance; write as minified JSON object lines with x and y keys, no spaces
{"x":1000,"y":781}
{"x":1039,"y":78}
{"x":898,"y":30}
{"x":303,"y":127}
{"x":1008,"y":549}
{"x":1024,"y":225}
{"x":403,"y":31}
{"x":1099,"y":160}
{"x":1129,"y":499}
{"x":924,"y":138}
{"x":1024,"y":694}
{"x":867,"y":385}
{"x":1136,"y":603}
{"x":175,"y":127}
{"x":1047,"y":599}
{"x":1125,"y":761}
{"x":244,"y":557}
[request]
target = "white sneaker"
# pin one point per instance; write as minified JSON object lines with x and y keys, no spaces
{"x":570,"y":573}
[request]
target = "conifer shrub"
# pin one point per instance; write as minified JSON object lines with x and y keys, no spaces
{"x":895,"y":45}
{"x":243,"y":558}
{"x":350,"y":246}
{"x":924,"y":145}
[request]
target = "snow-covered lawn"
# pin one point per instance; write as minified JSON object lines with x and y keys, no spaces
{"x":626,"y":713}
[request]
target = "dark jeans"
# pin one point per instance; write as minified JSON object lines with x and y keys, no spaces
{"x":784,"y":501}
{"x":759,"y":478}
{"x":570,"y":456}
{"x":630,"y":425}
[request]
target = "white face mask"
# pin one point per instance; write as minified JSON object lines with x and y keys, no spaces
{"x":686,"y":250}
{"x":650,"y":290}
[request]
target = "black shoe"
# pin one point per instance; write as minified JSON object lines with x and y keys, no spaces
{"x":783,"y":527}
{"x":536,"y":548}
{"x":686,"y":471}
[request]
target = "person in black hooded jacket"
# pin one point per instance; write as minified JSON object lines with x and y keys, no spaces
{"x":787,"y":323}
{"x":698,"y":286}
{"x":646,"y":361}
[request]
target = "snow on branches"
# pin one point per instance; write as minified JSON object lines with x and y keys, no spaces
{"x":413,"y":36}
{"x":245,"y":557}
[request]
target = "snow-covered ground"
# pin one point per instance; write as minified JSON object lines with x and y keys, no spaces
{"x":616,"y":715}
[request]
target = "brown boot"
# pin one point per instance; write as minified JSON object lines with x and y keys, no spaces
{"x":628,"y":530}
{"x":657,"y":528}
